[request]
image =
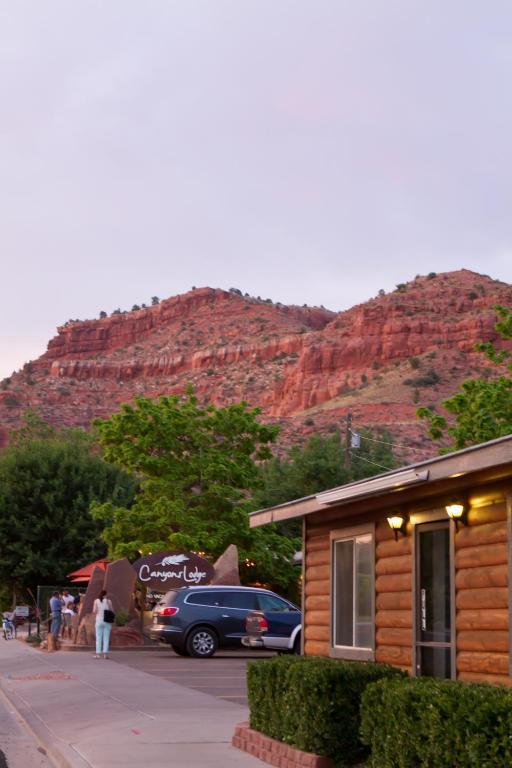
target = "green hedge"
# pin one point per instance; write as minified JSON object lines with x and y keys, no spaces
{"x":267,"y":694}
{"x":313,"y":703}
{"x":421,"y":723}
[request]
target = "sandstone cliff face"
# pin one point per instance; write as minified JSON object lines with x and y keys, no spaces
{"x":305,"y":367}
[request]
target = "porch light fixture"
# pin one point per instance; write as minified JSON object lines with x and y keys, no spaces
{"x":456,"y":511}
{"x":397,"y":524}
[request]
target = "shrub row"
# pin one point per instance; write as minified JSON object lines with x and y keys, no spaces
{"x":420,"y":723}
{"x":313,"y":703}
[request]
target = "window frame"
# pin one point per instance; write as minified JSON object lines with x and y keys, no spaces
{"x":350,"y":652}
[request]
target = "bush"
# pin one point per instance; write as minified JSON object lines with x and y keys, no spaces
{"x":424,"y":722}
{"x":34,"y":639}
{"x":267,"y":694}
{"x":430,"y":378}
{"x":312,"y":703}
{"x":122,"y":617}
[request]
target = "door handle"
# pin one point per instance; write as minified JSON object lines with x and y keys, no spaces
{"x":423,"y":610}
{"x":225,"y":616}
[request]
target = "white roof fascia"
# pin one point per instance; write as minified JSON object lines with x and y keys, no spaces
{"x":381,"y":483}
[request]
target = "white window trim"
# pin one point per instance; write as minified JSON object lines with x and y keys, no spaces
{"x":351,"y":653}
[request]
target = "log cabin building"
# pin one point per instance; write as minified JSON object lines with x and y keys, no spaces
{"x":412,"y":567}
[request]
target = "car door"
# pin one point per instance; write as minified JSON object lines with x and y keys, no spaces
{"x":235,"y":607}
{"x":282,"y":618}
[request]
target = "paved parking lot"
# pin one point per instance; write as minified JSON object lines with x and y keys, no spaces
{"x":223,"y":676}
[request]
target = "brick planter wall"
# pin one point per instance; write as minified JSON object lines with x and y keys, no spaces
{"x":275,"y":752}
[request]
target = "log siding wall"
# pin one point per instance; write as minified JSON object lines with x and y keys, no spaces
{"x":481,"y":590}
{"x":482,"y":597}
{"x":393,"y":587}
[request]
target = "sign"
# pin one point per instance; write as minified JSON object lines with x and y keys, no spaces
{"x":167,"y":570}
{"x":22,"y":611}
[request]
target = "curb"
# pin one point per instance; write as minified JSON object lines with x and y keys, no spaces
{"x":61,"y":754}
{"x":274,"y":752}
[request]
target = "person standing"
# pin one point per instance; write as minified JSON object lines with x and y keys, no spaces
{"x":55,"y":613}
{"x":68,"y":602}
{"x":103,"y":628}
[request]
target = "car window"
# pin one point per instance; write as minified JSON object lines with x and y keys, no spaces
{"x":245,"y":600}
{"x":205,"y":598}
{"x":273,"y":603}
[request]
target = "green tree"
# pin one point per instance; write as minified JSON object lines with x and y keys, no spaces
{"x":482,"y":407}
{"x":319,"y":465}
{"x":48,"y":479}
{"x":197,"y":467}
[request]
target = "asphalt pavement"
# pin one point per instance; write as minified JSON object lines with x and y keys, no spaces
{"x":223,"y":676}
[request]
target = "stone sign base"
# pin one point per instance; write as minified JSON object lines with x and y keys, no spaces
{"x":275,"y":752}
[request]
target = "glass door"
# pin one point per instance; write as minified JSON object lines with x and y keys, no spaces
{"x":434,"y":630}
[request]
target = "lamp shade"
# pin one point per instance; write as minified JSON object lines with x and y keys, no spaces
{"x":396,"y":522}
{"x":455,"y":510}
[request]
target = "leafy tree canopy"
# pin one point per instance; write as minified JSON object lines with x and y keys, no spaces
{"x":197,"y":467}
{"x":318,"y":466}
{"x":48,"y":479}
{"x":482,"y":407}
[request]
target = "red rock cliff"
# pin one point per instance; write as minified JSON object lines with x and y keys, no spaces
{"x":305,"y":367}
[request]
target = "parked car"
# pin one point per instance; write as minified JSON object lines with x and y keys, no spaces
{"x":196,"y":621}
{"x":274,"y":629}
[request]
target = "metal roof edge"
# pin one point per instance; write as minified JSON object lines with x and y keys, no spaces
{"x":311,"y":503}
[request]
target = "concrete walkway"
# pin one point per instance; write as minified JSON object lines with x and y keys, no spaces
{"x":88,"y":712}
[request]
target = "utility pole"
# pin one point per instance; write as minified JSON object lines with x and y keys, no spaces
{"x":348,"y":438}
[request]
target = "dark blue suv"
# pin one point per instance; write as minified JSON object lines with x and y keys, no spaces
{"x":196,"y":621}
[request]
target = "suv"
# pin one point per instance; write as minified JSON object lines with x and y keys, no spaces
{"x":273,"y":630}
{"x":196,"y":621}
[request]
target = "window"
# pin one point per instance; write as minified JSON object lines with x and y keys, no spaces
{"x":204,"y":598}
{"x":242,"y":600}
{"x":353,"y":595}
{"x":273,"y":603}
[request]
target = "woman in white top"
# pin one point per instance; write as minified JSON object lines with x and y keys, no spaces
{"x":102,"y":627}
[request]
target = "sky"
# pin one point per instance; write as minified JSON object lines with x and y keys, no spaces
{"x":310,"y":151}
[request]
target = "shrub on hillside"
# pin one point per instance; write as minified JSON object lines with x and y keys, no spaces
{"x":428,"y":379}
{"x":422,"y":722}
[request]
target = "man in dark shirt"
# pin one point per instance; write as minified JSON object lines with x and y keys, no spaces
{"x":55,"y":613}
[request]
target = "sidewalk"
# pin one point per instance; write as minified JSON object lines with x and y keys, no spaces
{"x":88,"y":712}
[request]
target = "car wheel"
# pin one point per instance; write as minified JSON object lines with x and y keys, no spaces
{"x":296,"y":645}
{"x":180,"y":651}
{"x":202,"y":642}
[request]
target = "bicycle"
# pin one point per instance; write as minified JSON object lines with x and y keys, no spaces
{"x":8,"y":628}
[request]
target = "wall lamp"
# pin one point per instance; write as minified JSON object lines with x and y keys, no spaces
{"x":398,"y":523}
{"x":456,"y":511}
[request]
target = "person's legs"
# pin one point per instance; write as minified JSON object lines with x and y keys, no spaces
{"x":99,"y":636}
{"x":106,"y":637}
{"x":55,"y":626}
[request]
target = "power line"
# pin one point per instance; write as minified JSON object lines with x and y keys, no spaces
{"x":381,"y":466}
{"x":386,"y":442}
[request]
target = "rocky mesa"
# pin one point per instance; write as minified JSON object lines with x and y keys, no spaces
{"x":306,"y":367}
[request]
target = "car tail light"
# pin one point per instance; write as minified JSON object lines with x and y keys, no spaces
{"x":172,"y":611}
{"x":262,"y":624}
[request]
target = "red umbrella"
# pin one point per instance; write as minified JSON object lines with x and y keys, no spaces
{"x":84,"y":574}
